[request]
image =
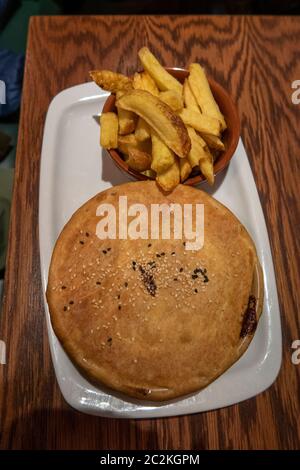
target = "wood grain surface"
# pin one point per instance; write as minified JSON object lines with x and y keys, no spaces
{"x":256,"y":59}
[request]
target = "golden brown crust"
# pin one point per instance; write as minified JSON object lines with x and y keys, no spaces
{"x":111,"y":81}
{"x":161,"y":346}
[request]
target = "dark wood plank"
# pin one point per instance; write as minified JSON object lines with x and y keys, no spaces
{"x":256,"y":59}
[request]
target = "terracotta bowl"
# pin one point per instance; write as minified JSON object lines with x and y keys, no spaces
{"x":230,"y":136}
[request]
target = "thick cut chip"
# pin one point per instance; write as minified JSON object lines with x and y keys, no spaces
{"x":170,"y":178}
{"x":162,"y":78}
{"x":201,"y":122}
{"x":185,"y":169}
{"x":109,"y":130}
{"x":213,"y":141}
{"x":162,"y":156}
{"x":200,"y":156}
{"x":160,"y":117}
{"x":189,"y":98}
{"x":111,"y":81}
{"x":172,"y":98}
{"x":142,"y":131}
{"x":144,"y":81}
{"x":126,"y":142}
{"x":203,"y":94}
{"x":138,"y":160}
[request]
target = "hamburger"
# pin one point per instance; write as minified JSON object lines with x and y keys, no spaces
{"x":155,"y":318}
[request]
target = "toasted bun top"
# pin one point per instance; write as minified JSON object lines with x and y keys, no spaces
{"x":147,"y":317}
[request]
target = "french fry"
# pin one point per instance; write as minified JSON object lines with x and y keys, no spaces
{"x":200,"y":155}
{"x":202,"y":92}
{"x":138,"y":160}
{"x":197,"y":151}
{"x":185,"y":169}
{"x":213,"y":141}
{"x":144,"y":81}
{"x":111,"y":81}
{"x":162,"y":78}
{"x":200,"y":122}
{"x":125,"y":142}
{"x":172,"y":99}
{"x":109,"y":130}
{"x":189,"y":99}
{"x":126,"y":122}
{"x":162,"y":156}
{"x":160,"y":117}
{"x":142,"y":130}
{"x":207,"y":167}
{"x":170,"y":178}
{"x":127,"y":119}
{"x":193,"y":135}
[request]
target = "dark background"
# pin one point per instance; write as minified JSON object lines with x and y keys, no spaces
{"x":181,"y":6}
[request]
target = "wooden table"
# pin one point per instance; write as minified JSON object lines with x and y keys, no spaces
{"x":256,"y":59}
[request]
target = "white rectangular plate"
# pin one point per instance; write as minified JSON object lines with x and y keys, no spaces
{"x":72,"y":171}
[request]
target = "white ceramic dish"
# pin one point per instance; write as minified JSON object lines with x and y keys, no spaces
{"x":72,"y":171}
